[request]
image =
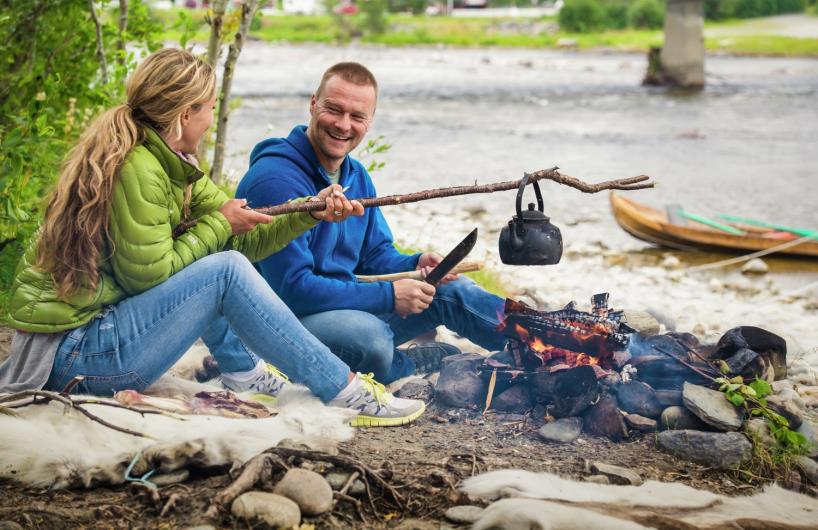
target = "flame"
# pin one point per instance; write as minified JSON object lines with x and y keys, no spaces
{"x":537,"y":345}
{"x":521,"y":332}
{"x":584,"y":358}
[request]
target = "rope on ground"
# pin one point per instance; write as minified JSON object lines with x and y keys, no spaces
{"x":760,"y":253}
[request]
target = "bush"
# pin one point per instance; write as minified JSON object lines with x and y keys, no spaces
{"x":616,"y":14}
{"x":648,"y":14}
{"x":719,"y":9}
{"x":581,"y":16}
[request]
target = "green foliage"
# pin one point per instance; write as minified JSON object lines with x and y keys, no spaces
{"x":648,"y":14}
{"x":374,"y":146}
{"x":374,"y":21}
{"x":581,"y":16}
{"x":51,"y":86}
{"x":616,"y":14}
{"x":723,"y":9}
{"x":752,"y":397}
{"x":417,"y":7}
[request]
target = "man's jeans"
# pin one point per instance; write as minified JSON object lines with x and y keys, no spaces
{"x":130,"y":345}
{"x":366,"y":342}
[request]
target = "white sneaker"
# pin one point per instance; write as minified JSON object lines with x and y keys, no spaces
{"x":271,"y":382}
{"x":376,"y":407}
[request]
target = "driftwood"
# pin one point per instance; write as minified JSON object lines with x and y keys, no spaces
{"x":465,"y":266}
{"x":631,"y":183}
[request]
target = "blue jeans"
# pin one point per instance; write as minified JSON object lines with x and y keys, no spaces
{"x":366,"y":342}
{"x":221,"y":298}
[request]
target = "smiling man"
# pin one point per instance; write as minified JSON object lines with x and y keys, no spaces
{"x":315,"y":274}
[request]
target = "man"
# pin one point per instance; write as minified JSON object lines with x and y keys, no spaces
{"x":315,"y":274}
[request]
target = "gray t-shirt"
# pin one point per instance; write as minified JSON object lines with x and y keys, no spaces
{"x":334,"y":176}
{"x":31,"y":360}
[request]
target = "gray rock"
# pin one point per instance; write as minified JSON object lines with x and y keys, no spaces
{"x":309,"y":490}
{"x":663,"y":318}
{"x":459,"y":385}
{"x":810,"y":432}
{"x":597,"y":479}
{"x":565,"y":430}
{"x":463,"y":514}
{"x":417,"y":389}
{"x":337,"y":481}
{"x":641,"y":321}
{"x":755,"y":266}
{"x":809,"y":467}
{"x":617,"y":475}
{"x":637,"y":397}
{"x":640,"y":423}
{"x":758,"y":429}
{"x":711,"y":407}
{"x":787,"y":408}
{"x":274,"y":510}
{"x":669,"y":398}
{"x":604,"y":419}
{"x":517,"y":398}
{"x":719,"y":450}
{"x":679,"y":418}
{"x":10,"y":525}
{"x":166,"y":479}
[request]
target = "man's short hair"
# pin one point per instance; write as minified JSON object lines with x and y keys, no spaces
{"x":352,"y":72}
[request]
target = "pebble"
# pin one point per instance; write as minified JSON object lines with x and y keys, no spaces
{"x":463,"y":514}
{"x":565,"y":430}
{"x":617,"y":475}
{"x":272,"y":509}
{"x":679,"y":418}
{"x":670,"y":262}
{"x":337,"y":481}
{"x":755,"y":266}
{"x":758,"y":428}
{"x":809,"y":467}
{"x":711,"y":407}
{"x":640,"y":423}
{"x":309,"y":490}
{"x":810,"y":432}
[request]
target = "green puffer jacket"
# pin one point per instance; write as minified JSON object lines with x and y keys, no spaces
{"x":146,"y":205}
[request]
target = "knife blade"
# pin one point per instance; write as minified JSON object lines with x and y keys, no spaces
{"x":452,"y":258}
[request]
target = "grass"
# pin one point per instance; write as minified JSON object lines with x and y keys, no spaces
{"x":418,"y":30}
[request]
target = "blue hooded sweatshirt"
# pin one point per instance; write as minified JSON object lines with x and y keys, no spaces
{"x":316,"y":271}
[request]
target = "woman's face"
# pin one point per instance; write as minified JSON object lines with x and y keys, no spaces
{"x":195,"y":122}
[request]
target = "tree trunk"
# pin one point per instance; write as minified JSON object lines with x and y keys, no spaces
{"x":123,"y":25}
{"x":248,"y":10}
{"x":216,"y":24}
{"x":100,"y":47}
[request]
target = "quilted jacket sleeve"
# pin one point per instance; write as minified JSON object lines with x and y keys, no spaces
{"x":142,"y":217}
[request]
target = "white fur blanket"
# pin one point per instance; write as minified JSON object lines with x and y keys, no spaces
{"x":550,"y":502}
{"x":47,"y":445}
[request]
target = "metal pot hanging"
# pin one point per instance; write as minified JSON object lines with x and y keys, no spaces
{"x":530,"y":238}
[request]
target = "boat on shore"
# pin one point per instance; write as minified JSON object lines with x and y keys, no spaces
{"x":692,"y":232}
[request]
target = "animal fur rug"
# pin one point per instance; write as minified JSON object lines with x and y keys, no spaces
{"x":545,"y":501}
{"x":48,"y":446}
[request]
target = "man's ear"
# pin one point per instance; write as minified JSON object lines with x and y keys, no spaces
{"x":313,"y":102}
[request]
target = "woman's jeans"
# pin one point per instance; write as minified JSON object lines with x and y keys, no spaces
{"x":220,"y":298}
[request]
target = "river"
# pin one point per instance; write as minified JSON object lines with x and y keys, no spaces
{"x":745,"y":145}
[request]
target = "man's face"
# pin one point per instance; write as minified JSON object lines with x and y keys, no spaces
{"x":341,"y":115}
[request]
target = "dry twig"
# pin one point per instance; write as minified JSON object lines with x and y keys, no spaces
{"x":258,"y":469}
{"x":631,"y":183}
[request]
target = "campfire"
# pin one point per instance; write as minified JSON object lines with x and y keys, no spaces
{"x":551,"y":341}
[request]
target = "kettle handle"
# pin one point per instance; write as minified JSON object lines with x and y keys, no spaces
{"x":520,"y":191}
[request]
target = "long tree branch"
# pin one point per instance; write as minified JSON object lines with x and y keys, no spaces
{"x":100,"y":49}
{"x":631,"y":183}
{"x":248,"y":11}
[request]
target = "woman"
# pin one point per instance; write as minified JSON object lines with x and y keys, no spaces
{"x":140,"y":254}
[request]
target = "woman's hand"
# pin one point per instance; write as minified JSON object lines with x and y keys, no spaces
{"x":338,"y":207}
{"x":241,"y":219}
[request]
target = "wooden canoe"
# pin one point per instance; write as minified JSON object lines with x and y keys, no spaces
{"x":651,"y":225}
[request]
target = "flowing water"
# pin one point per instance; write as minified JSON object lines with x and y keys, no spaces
{"x":746,"y":145}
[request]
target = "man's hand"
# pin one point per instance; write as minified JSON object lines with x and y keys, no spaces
{"x":412,"y":296}
{"x":242,"y":220}
{"x":429,"y":261}
{"x":338,"y":206}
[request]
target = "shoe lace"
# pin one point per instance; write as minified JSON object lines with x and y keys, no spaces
{"x":375,"y":388}
{"x":272,"y":370}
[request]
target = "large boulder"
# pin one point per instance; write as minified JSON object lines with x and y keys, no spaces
{"x":719,"y":450}
{"x":459,"y":385}
{"x":711,"y":407}
{"x":604,"y":419}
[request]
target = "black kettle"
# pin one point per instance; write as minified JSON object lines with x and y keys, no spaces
{"x":530,"y":238}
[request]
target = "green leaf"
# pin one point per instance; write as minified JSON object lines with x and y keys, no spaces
{"x":723,"y":368}
{"x":736,"y":399}
{"x":762,"y":388}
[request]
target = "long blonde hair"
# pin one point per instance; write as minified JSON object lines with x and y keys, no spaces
{"x":75,"y":229}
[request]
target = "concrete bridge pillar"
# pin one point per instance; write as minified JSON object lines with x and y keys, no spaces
{"x":683,"y":53}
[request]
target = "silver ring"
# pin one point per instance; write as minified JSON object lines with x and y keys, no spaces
{"x":337,"y":213}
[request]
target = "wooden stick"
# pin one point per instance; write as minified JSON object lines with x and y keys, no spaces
{"x":463,"y":266}
{"x":631,"y":183}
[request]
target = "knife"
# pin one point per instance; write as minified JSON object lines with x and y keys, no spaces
{"x":452,"y":258}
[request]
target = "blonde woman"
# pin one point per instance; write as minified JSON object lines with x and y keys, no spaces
{"x":140,"y":254}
